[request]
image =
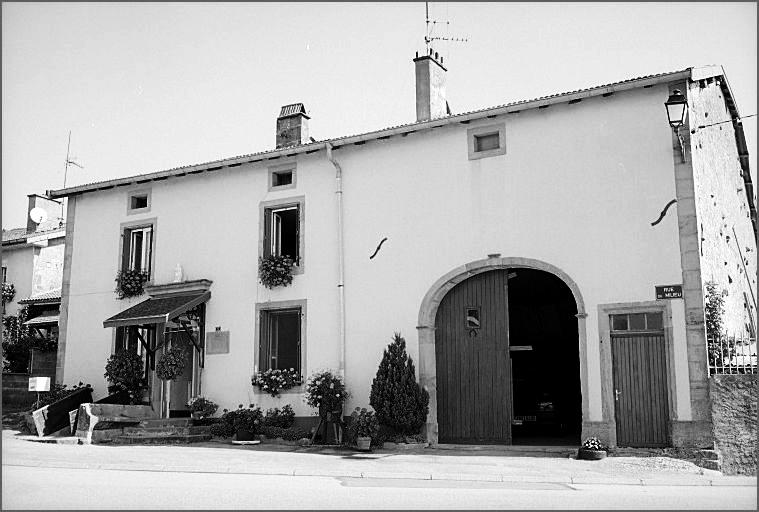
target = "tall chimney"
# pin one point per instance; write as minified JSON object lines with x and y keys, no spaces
{"x":51,"y":207}
{"x":430,"y":87}
{"x":292,"y":125}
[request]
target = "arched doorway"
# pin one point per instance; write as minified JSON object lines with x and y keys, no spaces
{"x":502,"y":349}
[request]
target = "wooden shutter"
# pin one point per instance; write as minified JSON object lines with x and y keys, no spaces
{"x":263,"y":342}
{"x":297,"y":235}
{"x":267,"y":232}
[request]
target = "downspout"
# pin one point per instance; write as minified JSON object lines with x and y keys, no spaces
{"x":340,"y":257}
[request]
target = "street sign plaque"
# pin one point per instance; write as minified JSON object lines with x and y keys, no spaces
{"x":672,"y":291}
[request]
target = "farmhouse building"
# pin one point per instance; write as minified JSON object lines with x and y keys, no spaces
{"x":531,"y":255}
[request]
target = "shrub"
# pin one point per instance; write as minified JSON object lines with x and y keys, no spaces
{"x":399,"y":401}
{"x":125,"y":371}
{"x":275,"y":271}
{"x":250,"y":419}
{"x":326,"y":391}
{"x":272,"y":381}
{"x":202,"y":405}
{"x":282,"y":418}
{"x":129,"y":283}
{"x":288,"y":434}
{"x":171,"y":365}
{"x":9,"y":291}
{"x":363,"y":424}
{"x":58,"y":392}
{"x":593,"y":443}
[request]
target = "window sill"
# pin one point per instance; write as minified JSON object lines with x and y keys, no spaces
{"x":295,"y":390}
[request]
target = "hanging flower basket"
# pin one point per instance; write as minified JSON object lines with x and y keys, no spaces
{"x":275,"y":271}
{"x":171,"y":365}
{"x":129,"y":283}
{"x":272,"y":381}
{"x":9,"y":291}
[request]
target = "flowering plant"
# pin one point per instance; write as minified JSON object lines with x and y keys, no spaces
{"x":129,"y":282}
{"x":593,"y":443}
{"x":171,"y":364}
{"x":326,"y":391}
{"x":9,"y":291}
{"x":275,"y":270}
{"x":272,"y":381}
{"x":203,"y":406}
{"x":363,"y":423}
{"x":250,"y":419}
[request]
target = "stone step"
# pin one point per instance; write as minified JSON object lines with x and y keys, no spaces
{"x":163,"y":439}
{"x":708,"y":454}
{"x":166,"y":422}
{"x":166,"y":430}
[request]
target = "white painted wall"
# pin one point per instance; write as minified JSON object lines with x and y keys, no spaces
{"x":19,"y":261}
{"x":577,"y":188}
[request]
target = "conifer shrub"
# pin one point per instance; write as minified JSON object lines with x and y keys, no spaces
{"x":401,"y":404}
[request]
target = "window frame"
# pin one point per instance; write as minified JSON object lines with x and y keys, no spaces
{"x":139,"y":192}
{"x":278,"y":169}
{"x":484,"y":130}
{"x":280,"y":306}
{"x":265,"y":218}
{"x":125,"y":238}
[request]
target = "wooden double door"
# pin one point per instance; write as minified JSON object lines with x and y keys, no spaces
{"x":472,"y":362}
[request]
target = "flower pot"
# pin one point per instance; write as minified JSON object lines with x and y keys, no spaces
{"x":364,"y":443}
{"x":585,"y":454}
{"x":245,"y":435}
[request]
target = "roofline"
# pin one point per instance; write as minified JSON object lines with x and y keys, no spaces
{"x":464,"y":118}
{"x":30,"y":238}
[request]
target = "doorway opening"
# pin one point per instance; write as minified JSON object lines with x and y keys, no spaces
{"x":545,"y":363}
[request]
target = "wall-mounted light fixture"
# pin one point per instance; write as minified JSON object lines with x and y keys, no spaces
{"x":677,"y":109}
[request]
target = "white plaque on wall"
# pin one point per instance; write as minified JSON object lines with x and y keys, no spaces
{"x":217,"y":342}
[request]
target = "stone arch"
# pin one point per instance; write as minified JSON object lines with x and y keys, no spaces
{"x":428,"y":312}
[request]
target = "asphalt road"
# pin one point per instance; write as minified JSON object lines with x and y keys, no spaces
{"x":27,"y":487}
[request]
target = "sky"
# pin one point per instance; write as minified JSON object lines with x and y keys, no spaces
{"x":145,"y":87}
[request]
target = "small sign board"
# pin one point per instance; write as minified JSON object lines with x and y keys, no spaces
{"x":217,"y":342}
{"x":39,"y":384}
{"x":672,"y":291}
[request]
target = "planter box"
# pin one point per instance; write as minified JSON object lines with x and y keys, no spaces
{"x":584,"y":454}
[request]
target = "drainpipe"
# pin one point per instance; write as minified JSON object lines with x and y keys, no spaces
{"x":340,"y":256}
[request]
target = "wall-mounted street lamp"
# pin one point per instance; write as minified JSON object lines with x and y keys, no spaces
{"x":677,"y":109}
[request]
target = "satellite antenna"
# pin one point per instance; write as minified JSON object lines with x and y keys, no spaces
{"x":38,"y":215}
{"x":430,"y":35}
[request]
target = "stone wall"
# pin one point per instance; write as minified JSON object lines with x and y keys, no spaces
{"x":734,"y":416}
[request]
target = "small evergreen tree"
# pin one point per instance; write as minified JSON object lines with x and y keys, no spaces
{"x":400,"y":402}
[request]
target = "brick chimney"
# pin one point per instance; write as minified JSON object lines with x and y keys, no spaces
{"x":292,"y":125}
{"x":430,"y":87}
{"x":51,"y":206}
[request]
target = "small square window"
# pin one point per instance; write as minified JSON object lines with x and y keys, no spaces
{"x":282,"y":177}
{"x":486,"y":142}
{"x":138,"y":201}
{"x":279,"y":179}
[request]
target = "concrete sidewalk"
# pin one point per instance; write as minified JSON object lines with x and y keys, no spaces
{"x":424,"y":464}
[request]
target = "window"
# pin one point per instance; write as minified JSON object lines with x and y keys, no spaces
{"x":637,"y":322}
{"x":138,"y":201}
{"x":5,"y":274}
{"x":486,"y":141}
{"x":282,"y":177}
{"x":280,"y":342}
{"x":282,"y":236}
{"x":138,"y":249}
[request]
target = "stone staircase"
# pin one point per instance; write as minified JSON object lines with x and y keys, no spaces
{"x":164,"y":431}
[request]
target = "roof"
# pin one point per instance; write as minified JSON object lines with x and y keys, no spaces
{"x":157,"y":310}
{"x":20,"y":235}
{"x":43,"y":320}
{"x":293,"y":110}
{"x":41,"y":298}
{"x":404,"y":129}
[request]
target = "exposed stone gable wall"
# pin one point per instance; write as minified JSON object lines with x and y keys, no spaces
{"x":734,"y":415}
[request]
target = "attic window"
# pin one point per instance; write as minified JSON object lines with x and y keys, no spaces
{"x":138,"y":201}
{"x":486,"y":141}
{"x":281,"y":177}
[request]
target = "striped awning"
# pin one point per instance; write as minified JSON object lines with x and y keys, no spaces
{"x":43,"y":320}
{"x":157,"y":310}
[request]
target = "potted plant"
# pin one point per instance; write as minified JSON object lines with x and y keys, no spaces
{"x":129,"y":282}
{"x":326,"y":392}
{"x":592,"y":449}
{"x":275,"y":270}
{"x":272,"y":381}
{"x":126,"y":372}
{"x":363,"y":427}
{"x":247,"y":422}
{"x":202,"y":407}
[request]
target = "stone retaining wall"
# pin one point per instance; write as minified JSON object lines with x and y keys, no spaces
{"x":734,"y":416}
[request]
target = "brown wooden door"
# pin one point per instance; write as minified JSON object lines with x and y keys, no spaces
{"x":472,"y":361}
{"x":640,"y":389}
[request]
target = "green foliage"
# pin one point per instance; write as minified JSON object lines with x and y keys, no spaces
{"x":18,"y":341}
{"x":129,"y":283}
{"x":288,"y":434}
{"x":272,"y":381}
{"x":281,"y":418}
{"x":9,"y":291}
{"x":399,"y":401}
{"x":203,"y":405}
{"x":125,"y":371}
{"x":275,"y":271}
{"x":250,"y":419}
{"x":363,"y":424}
{"x":326,"y":391}
{"x":58,"y":392}
{"x":171,"y":365}
{"x":593,"y":443}
{"x":714,"y":309}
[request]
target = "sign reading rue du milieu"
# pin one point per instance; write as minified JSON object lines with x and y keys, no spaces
{"x":673,"y":291}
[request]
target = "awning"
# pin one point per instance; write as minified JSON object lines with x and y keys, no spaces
{"x":157,"y":310}
{"x":43,"y":320}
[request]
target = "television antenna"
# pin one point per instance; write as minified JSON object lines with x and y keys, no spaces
{"x":70,"y":160}
{"x":432,"y":24}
